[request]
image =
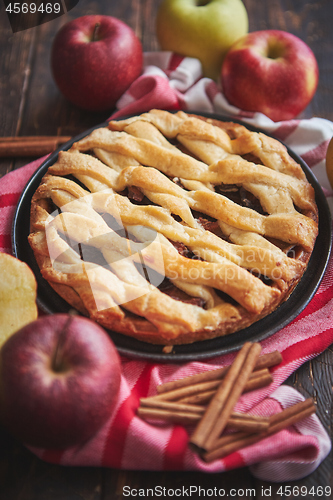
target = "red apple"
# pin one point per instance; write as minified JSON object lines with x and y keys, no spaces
{"x":94,"y":59}
{"x":270,"y":71}
{"x":59,"y":380}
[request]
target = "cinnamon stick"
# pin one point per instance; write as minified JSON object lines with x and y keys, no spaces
{"x":220,"y":407}
{"x":186,"y":414}
{"x":30,"y":145}
{"x":200,"y":398}
{"x":264,"y":361}
{"x":239,"y":440}
{"x":249,"y":423}
{"x":199,"y":409}
{"x":188,"y":390}
{"x":171,"y":405}
{"x":181,"y":417}
{"x":257,"y":380}
{"x":236,"y":390}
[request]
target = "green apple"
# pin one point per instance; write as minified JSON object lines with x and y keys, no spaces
{"x":204,"y":29}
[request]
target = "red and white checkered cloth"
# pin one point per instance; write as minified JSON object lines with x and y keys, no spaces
{"x":127,"y":442}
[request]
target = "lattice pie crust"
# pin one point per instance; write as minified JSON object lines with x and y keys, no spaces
{"x":219,"y":219}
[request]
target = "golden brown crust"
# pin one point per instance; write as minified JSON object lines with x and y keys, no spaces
{"x":228,"y":259}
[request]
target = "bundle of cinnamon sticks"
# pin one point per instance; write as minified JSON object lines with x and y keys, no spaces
{"x":207,"y":400}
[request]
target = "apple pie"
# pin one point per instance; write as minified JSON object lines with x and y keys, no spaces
{"x":174,"y":228}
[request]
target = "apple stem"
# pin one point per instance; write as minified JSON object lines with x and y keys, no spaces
{"x":57,"y":361}
{"x":95,"y":37}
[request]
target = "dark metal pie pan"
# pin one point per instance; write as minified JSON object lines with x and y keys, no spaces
{"x":50,"y":302}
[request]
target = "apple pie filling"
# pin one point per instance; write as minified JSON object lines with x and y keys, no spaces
{"x":173,"y":228}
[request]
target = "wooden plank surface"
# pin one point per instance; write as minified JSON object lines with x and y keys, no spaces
{"x":30,"y":104}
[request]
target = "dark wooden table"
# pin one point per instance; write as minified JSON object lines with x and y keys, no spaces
{"x":30,"y":104}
